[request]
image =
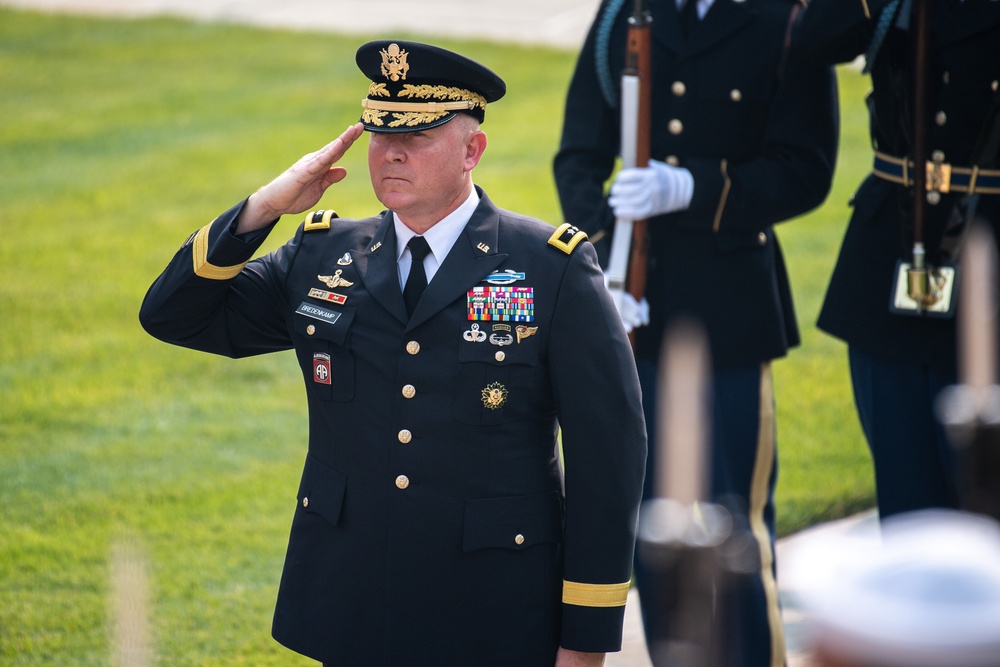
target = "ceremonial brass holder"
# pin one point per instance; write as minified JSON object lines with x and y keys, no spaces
{"x":924,"y":291}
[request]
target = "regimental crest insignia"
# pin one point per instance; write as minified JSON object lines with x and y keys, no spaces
{"x":494,"y":396}
{"x":394,"y":65}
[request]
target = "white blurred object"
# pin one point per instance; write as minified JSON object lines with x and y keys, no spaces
{"x":634,"y":313}
{"x":643,"y":192}
{"x":927,"y":594}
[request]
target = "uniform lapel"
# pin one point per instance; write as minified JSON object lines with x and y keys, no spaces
{"x":667,"y":26}
{"x":954,"y":21}
{"x":724,"y":18}
{"x":471,"y":259}
{"x":377,"y":269}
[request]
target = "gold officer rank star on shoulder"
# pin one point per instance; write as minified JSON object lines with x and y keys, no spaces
{"x":566,"y":237}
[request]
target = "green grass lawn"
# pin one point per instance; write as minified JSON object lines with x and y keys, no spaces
{"x":120,"y":138}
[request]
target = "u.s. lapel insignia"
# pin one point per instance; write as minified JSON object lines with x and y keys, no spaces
{"x":474,"y":335}
{"x":494,"y":396}
{"x":524,"y":332}
{"x":335,"y":280}
{"x":332,"y":297}
{"x":375,"y":247}
{"x":483,"y":247}
{"x":345,"y":260}
{"x":321,"y":368}
{"x":505,"y":277}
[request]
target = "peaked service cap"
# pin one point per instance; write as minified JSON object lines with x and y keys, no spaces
{"x":418,"y":86}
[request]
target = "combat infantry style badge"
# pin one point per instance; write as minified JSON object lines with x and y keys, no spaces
{"x":505,"y":277}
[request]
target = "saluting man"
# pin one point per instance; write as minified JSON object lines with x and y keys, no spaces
{"x":742,"y":138}
{"x":442,"y":343}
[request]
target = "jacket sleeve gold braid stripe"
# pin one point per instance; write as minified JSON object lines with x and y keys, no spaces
{"x":202,"y":267}
{"x":595,"y":595}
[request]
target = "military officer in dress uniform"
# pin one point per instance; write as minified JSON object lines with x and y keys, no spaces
{"x":900,"y":359}
{"x":742,"y":138}
{"x":442,"y":342}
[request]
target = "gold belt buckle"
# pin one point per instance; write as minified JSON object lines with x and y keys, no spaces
{"x":938,"y":177}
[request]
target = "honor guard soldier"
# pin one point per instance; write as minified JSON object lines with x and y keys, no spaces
{"x":902,"y":351}
{"x":443,"y":342}
{"x":741,"y":138}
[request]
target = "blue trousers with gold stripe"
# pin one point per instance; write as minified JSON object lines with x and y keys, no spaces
{"x":915,"y":466}
{"x":744,"y":472}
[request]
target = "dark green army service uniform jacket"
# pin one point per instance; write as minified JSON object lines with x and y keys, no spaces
{"x":430,"y":525}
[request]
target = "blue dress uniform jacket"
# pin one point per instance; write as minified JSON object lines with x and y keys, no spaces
{"x":963,"y":71}
{"x":757,"y":132}
{"x":430,"y":527}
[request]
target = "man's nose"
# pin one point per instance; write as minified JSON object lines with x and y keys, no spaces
{"x":394,"y":151}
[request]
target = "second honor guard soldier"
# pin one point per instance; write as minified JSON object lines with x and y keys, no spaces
{"x":742,"y":138}
{"x":442,"y":342}
{"x":901,"y":354}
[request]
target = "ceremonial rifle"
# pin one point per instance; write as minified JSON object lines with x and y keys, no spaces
{"x":970,"y":411}
{"x":921,"y":289}
{"x":687,"y":544}
{"x":627,"y":262}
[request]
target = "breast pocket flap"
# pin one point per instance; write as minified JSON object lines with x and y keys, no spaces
{"x":516,"y":522}
{"x":321,"y":490}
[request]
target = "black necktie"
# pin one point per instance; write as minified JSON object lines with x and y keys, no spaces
{"x":417,"y":280}
{"x":689,"y":16}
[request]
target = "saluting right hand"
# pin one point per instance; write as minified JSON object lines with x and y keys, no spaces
{"x":301,"y":186}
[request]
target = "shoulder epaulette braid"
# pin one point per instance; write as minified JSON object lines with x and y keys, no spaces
{"x":566,"y":237}
{"x":319,"y":220}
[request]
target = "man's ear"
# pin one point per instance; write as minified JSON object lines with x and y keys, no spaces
{"x":475,"y":148}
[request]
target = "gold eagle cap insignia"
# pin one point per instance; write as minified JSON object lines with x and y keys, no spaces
{"x":335,"y":280}
{"x":394,"y":65}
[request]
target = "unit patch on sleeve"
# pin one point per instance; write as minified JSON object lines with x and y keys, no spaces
{"x":321,"y":368}
{"x":501,"y":304}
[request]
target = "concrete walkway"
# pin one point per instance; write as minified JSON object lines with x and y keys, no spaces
{"x":561,"y":23}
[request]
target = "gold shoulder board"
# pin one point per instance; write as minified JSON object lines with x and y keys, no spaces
{"x":319,"y":220}
{"x":566,"y":237}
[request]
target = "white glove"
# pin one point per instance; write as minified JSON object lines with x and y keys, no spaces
{"x":634,"y":313}
{"x":644,"y":192}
